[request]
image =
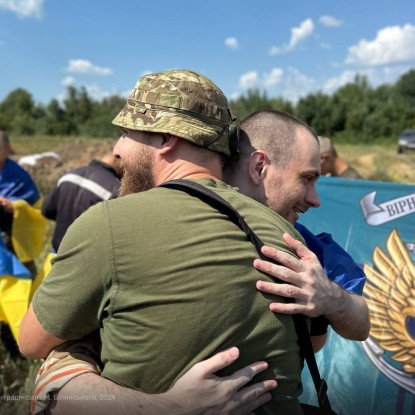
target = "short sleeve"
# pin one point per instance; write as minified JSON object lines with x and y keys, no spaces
{"x":70,"y":301}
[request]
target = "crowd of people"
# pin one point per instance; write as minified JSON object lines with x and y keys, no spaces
{"x":170,"y":308}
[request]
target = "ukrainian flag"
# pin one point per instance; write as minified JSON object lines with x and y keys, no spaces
{"x":28,"y":229}
{"x":15,"y":289}
{"x":16,"y":285}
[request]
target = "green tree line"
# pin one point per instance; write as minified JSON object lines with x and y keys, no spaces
{"x":356,"y":112}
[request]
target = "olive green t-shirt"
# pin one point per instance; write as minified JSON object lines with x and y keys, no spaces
{"x":168,"y":281}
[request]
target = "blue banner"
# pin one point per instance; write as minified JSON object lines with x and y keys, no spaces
{"x":375,"y":223}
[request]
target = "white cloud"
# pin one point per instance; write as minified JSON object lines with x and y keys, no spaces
{"x":393,"y":44}
{"x":290,"y":84}
{"x":248,"y":80}
{"x":232,"y":43}
{"x":251,"y":79}
{"x":298,"y":34}
{"x":23,"y":8}
{"x":375,"y":75}
{"x":334,"y":83}
{"x":84,"y":66}
{"x":330,"y":21}
{"x":297,"y":85}
{"x":67,"y":81}
{"x":95,"y":92}
{"x":274,"y":77}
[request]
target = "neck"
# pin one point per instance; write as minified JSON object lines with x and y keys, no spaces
{"x":202,"y":176}
{"x":188,"y":170}
{"x":185,"y":167}
{"x":340,"y":166}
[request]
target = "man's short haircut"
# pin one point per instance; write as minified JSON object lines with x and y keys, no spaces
{"x":272,"y":131}
{"x":326,"y":145}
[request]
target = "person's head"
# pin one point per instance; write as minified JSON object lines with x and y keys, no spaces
{"x":171,"y":115}
{"x":279,"y":163}
{"x":5,"y":147}
{"x":328,"y":155}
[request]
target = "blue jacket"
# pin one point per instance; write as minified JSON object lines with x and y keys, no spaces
{"x":337,"y":263}
{"x":15,"y":184}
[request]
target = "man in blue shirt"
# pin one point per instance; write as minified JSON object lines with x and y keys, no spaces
{"x":15,"y":184}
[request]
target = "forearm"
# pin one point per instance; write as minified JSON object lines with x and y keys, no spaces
{"x":95,"y":395}
{"x":197,"y":392}
{"x":350,"y":317}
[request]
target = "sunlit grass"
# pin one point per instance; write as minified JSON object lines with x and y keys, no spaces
{"x":380,"y":162}
{"x":24,"y":145}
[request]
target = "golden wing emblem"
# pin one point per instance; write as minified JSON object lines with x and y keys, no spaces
{"x":390,"y":295}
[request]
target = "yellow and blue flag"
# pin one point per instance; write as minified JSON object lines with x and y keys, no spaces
{"x":27,"y":231}
{"x":15,"y":289}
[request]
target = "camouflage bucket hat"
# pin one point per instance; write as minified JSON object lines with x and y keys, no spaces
{"x":183,"y":103}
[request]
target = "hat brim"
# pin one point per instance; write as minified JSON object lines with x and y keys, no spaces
{"x":171,"y":121}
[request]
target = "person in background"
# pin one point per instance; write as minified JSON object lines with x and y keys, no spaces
{"x":80,"y":189}
{"x":332,"y":164}
{"x":22,"y":230}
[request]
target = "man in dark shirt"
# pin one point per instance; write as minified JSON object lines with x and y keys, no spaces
{"x":332,"y":164}
{"x":79,"y":189}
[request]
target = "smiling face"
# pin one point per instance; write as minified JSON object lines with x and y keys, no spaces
{"x":289,"y":186}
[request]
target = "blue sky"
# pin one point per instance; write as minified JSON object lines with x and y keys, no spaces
{"x":287,"y":48}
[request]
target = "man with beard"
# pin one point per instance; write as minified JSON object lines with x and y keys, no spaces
{"x":162,"y":269}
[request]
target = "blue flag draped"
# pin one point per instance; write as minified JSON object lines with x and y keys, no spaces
{"x":16,"y":184}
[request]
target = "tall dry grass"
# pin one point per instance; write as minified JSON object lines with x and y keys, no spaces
{"x":380,"y":162}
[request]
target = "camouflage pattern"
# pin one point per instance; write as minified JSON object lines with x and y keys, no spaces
{"x":182,"y":103}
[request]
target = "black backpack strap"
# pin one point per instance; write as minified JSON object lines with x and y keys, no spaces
{"x":216,"y":201}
